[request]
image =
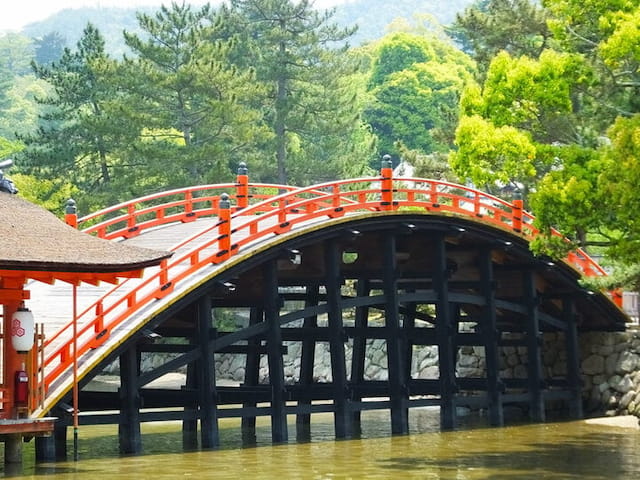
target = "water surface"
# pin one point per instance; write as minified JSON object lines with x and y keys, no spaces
{"x":565,"y":450}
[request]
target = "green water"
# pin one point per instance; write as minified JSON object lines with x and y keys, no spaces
{"x":571,"y":450}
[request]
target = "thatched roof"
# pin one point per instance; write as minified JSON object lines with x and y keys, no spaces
{"x":32,"y":238}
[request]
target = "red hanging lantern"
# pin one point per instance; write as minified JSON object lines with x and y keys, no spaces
{"x":22,"y":330}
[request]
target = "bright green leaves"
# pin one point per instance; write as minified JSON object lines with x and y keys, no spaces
{"x":530,"y":94}
{"x":624,"y":42}
{"x":523,"y":104}
{"x":489,"y":155}
{"x":416,"y":85}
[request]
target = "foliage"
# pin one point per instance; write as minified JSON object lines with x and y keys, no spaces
{"x":16,"y":52}
{"x":49,"y":194}
{"x":80,"y":128}
{"x":308,"y":100}
{"x":415,"y":85}
{"x":49,"y":48}
{"x":194,"y":107}
{"x":20,"y":116}
{"x":488,"y":27}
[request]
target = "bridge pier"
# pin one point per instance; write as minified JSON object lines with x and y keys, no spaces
{"x":444,"y":333}
{"x":251,"y":377}
{"x":573,"y":359}
{"x":129,"y":434}
{"x":307,"y":360}
{"x":358,"y":353}
{"x":533,"y":340}
{"x":491,"y":337}
{"x":208,"y":395}
{"x":279,"y":432}
{"x":398,"y":389}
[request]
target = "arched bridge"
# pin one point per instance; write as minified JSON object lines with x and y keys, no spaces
{"x":408,"y":261}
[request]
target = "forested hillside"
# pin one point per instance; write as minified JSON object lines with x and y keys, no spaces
{"x":371,"y":16}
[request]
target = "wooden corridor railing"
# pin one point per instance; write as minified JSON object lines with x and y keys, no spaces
{"x":248,"y":213}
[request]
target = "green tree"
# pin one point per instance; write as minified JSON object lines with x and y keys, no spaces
{"x":309,"y":101}
{"x":513,"y":124}
{"x":194,"y":107}
{"x":416,"y":83}
{"x":488,"y":27}
{"x":80,"y":129}
{"x":16,"y":53}
{"x":49,"y":48}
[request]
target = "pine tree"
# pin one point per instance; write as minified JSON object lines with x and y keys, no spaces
{"x":302,"y":60}
{"x":80,"y":130}
{"x":193,"y":104}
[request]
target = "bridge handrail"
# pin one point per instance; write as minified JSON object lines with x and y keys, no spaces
{"x":299,"y":205}
{"x":123,"y":219}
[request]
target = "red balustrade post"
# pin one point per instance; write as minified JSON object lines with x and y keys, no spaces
{"x":386,"y":184}
{"x":224,"y":227}
{"x":518,"y":206}
{"x":242,"y":186}
{"x":71,"y":213}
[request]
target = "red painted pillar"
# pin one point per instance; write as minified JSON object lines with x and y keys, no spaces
{"x":386,"y":184}
{"x":224,"y":222}
{"x":242,"y":186}
{"x":12,"y":295}
{"x":518,"y":205}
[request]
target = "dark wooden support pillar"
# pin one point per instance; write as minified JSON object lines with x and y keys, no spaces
{"x":129,"y":427}
{"x":341,"y":403}
{"x":491,"y":337}
{"x":60,"y":440}
{"x":307,"y":358}
{"x":396,"y":352}
{"x":444,"y":335}
{"x":534,"y":351}
{"x":408,"y":324}
{"x":252,"y":377}
{"x":45,"y":449}
{"x":207,"y":394}
{"x":455,"y":331}
{"x":190,"y":421}
{"x":358,"y":353}
{"x":279,"y":431}
{"x":573,"y":359}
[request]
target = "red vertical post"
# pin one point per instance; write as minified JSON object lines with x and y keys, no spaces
{"x":518,"y":206}
{"x":386,"y":184}
{"x":242,"y":186}
{"x":224,"y":229}
{"x":13,"y":294}
{"x":71,"y":213}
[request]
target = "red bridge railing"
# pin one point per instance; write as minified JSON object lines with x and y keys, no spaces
{"x":247,"y":213}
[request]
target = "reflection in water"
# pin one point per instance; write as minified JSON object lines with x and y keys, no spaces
{"x":572,"y":450}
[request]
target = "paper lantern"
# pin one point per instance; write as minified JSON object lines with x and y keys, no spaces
{"x":22,"y":330}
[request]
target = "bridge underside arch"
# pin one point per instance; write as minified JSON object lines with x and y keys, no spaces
{"x":406,"y":280}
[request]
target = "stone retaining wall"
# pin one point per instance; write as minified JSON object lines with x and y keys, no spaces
{"x":610,"y":364}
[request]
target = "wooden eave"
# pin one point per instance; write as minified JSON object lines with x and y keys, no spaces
{"x":35,"y":244}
